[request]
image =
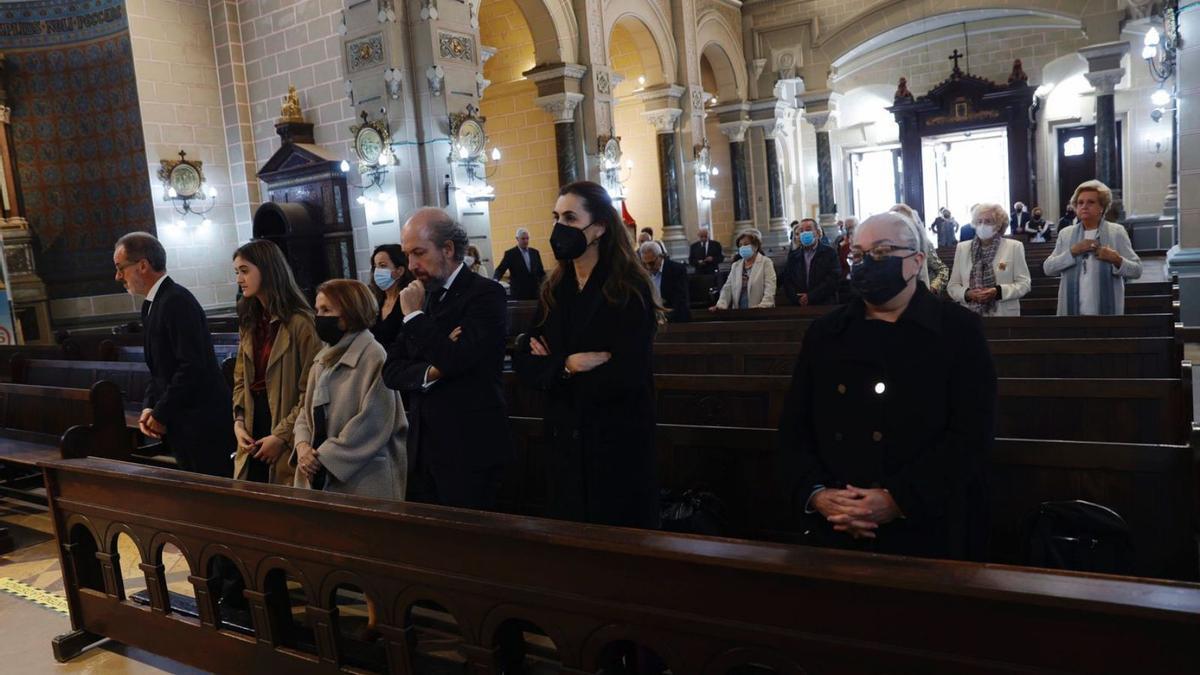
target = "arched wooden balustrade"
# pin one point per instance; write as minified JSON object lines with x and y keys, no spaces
{"x":700,"y":605}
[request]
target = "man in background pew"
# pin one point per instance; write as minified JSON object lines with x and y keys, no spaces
{"x":705,"y":255}
{"x":670,"y":280}
{"x":891,"y":411}
{"x":187,"y":403}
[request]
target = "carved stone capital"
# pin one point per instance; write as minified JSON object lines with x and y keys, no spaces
{"x":736,"y":131}
{"x":560,"y":106}
{"x":1105,"y":81}
{"x":668,"y":93}
{"x":664,"y":120}
{"x":818,"y":119}
{"x":554,"y":71}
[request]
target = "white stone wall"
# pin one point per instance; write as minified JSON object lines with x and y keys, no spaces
{"x":180,"y":105}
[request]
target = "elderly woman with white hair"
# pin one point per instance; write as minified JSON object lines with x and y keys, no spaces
{"x":935,"y":274}
{"x":751,"y":282}
{"x":990,"y":275}
{"x":891,"y":411}
{"x":1093,"y":257}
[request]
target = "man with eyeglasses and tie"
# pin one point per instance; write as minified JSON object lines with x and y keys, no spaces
{"x":891,"y":411}
{"x":187,"y":402}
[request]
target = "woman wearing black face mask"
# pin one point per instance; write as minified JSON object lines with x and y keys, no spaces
{"x":350,"y":434}
{"x":891,"y":412}
{"x":590,"y":350}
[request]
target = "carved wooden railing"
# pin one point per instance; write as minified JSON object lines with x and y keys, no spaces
{"x":702,"y":605}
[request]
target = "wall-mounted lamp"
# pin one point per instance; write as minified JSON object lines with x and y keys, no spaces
{"x":436,"y":76}
{"x":392,"y":78}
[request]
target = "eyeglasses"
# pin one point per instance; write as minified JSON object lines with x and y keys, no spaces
{"x":121,"y":268}
{"x":878,"y":254}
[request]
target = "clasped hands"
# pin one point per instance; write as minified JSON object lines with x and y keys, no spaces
{"x":308,"y":460}
{"x":856,"y":511}
{"x":982,"y":295}
{"x":579,"y":362}
{"x":265,"y":450}
{"x":1106,"y":253}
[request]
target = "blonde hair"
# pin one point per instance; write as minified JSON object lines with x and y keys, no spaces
{"x":355,"y":301}
{"x":1100,"y":189}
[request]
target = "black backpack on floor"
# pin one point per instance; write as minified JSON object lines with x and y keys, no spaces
{"x":1080,"y":536}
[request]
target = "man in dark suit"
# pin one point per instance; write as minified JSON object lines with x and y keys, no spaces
{"x":670,"y":279}
{"x":448,"y":358}
{"x":524,"y":267}
{"x":705,"y":255}
{"x":187,"y":403}
{"x":810,"y":276}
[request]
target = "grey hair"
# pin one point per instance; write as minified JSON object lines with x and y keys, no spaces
{"x":912,"y":234}
{"x":850,"y":221}
{"x":997,"y":212}
{"x":653,"y":246}
{"x":144,"y":246}
{"x":442,"y":228}
{"x":521,"y":231}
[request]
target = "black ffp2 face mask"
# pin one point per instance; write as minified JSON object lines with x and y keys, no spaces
{"x":878,"y":281}
{"x":568,"y":242}
{"x":328,"y":330}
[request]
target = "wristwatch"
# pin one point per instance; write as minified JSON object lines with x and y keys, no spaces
{"x":566,"y":372}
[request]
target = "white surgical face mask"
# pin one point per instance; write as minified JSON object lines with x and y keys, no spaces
{"x":985,"y":231}
{"x":468,"y":260}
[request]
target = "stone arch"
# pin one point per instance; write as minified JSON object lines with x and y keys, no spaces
{"x":658,"y":27}
{"x":721,"y":47}
{"x":888,"y":15}
{"x":554,"y":29}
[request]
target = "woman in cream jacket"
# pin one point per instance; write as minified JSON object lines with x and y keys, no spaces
{"x":990,"y":275}
{"x":753,"y":272}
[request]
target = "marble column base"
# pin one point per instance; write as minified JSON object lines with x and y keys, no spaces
{"x":1171,"y":201}
{"x":675,"y":239}
{"x":780,"y":234}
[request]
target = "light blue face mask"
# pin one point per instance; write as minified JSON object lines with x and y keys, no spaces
{"x":383,"y":278}
{"x":807,"y":238}
{"x":745,"y":251}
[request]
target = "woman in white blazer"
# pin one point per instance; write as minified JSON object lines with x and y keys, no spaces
{"x":990,"y":275}
{"x":754,"y":273}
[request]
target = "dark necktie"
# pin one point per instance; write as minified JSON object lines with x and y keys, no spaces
{"x":145,"y":310}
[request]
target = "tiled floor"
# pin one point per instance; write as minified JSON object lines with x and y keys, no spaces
{"x":28,"y":627}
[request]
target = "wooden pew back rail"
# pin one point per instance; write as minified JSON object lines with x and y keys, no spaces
{"x":703,"y":605}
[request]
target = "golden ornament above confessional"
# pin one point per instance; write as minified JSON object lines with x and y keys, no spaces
{"x":290,"y":110}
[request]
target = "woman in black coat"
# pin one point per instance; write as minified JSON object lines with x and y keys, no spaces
{"x":590,"y":350}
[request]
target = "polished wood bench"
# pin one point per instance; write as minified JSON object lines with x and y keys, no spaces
{"x":1117,"y":410}
{"x":702,"y":605}
{"x":1153,"y":487}
{"x":1075,"y":357}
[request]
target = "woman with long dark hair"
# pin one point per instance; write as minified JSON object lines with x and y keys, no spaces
{"x":389,"y":276}
{"x":277,"y":346}
{"x":590,"y":350}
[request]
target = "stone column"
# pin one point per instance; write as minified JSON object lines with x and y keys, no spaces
{"x":1104,"y":73}
{"x":559,"y":95}
{"x":1185,"y":259}
{"x":669,"y":170}
{"x":743,"y":215}
{"x":827,"y":209}
{"x":663,"y":112}
{"x":774,"y":180}
{"x":595,"y":112}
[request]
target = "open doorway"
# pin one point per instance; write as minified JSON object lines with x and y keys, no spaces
{"x":1077,"y":159}
{"x":875,"y":180}
{"x":964,"y":169}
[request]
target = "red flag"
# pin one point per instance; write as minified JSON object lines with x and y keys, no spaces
{"x":629,"y":221}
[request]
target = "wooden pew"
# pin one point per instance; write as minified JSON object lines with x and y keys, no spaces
{"x":1065,"y":358}
{"x":792,"y":330}
{"x":7,"y":352}
{"x":1134,"y":304}
{"x":703,"y":605}
{"x":39,"y":423}
{"x":1151,"y":486}
{"x":1116,"y":410}
{"x":131,"y":378}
